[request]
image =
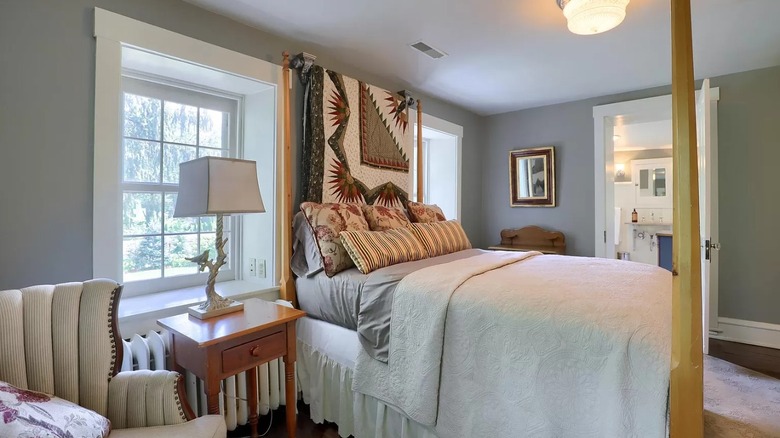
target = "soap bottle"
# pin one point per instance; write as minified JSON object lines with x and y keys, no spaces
{"x":634,"y":216}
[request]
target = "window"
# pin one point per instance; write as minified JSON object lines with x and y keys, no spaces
{"x":195,"y":99}
{"x":441,"y":164}
{"x":163,"y":126}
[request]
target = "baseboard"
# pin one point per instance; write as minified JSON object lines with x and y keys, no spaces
{"x":748,"y":332}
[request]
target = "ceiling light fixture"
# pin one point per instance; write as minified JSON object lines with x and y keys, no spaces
{"x":589,"y":17}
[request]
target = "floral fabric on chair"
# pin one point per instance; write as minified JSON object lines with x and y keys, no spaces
{"x":326,"y":222}
{"x":30,"y":414}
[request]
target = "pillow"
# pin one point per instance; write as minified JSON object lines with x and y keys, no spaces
{"x":424,"y":213}
{"x":26,"y":413}
{"x":382,"y":218}
{"x":306,"y":259}
{"x":371,"y":250}
{"x":326,"y":222}
{"x":442,"y":238}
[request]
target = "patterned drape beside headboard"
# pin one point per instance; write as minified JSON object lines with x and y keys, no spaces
{"x":357,"y":142}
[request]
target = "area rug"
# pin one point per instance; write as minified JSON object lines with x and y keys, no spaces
{"x":738,"y":402}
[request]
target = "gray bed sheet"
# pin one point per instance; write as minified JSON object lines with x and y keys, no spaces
{"x":363,"y":302}
{"x":335,"y":300}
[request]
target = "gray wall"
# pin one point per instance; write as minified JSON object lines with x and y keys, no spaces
{"x":568,"y":127}
{"x":749,"y":153}
{"x":749,"y":194}
{"x":46,"y":124}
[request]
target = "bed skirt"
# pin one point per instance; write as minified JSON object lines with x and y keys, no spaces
{"x":326,"y":386}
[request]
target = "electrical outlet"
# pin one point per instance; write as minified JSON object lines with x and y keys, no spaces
{"x":261,"y":268}
{"x":253,"y":268}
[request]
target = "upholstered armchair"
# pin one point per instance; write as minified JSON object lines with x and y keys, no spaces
{"x":63,"y":340}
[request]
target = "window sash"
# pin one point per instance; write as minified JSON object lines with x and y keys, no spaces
{"x":193,"y":97}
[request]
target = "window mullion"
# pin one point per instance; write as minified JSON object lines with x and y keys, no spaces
{"x":162,"y":237}
{"x":162,"y":178}
{"x":197,"y":133}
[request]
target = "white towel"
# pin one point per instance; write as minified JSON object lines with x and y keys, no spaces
{"x":618,"y":224}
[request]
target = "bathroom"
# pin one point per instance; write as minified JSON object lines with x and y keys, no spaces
{"x":643,"y":190}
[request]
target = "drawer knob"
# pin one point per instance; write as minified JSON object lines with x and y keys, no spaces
{"x":255,"y":351}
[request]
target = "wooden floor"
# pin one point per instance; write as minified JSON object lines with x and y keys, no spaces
{"x":761,"y":359}
{"x":306,"y":427}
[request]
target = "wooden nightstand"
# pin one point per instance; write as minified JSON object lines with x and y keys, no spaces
{"x":217,"y":348}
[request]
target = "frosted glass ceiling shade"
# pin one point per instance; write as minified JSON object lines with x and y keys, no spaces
{"x":589,"y":17}
{"x":213,"y":185}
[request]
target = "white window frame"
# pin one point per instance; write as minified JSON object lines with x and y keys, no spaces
{"x":447,"y":127}
{"x":112,"y":33}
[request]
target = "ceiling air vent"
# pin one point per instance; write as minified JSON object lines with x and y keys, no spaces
{"x":428,"y":50}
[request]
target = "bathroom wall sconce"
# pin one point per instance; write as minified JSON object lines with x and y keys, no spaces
{"x":620,"y":170}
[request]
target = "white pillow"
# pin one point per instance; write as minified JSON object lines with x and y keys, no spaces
{"x":26,"y":413}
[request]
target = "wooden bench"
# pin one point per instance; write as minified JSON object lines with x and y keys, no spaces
{"x":532,"y":238}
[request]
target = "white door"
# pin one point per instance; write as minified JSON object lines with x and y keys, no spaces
{"x":703,"y":134}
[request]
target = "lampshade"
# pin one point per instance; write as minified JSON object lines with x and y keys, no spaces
{"x":588,"y":17}
{"x":214,"y":185}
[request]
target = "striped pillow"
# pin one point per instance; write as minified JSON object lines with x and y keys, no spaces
{"x":441,"y":238}
{"x":371,"y":250}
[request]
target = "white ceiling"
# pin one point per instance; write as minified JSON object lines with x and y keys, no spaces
{"x":644,"y":135}
{"x":506,"y":55}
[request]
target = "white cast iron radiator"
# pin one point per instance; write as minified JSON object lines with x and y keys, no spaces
{"x":150,"y":352}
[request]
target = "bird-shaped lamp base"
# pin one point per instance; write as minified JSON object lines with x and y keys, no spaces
{"x":215,"y":304}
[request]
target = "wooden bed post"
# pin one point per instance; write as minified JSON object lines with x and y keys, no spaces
{"x":287,"y":286}
{"x":419,"y":168}
{"x":686,"y":387}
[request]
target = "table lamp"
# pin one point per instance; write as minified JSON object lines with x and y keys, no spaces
{"x":216,"y":186}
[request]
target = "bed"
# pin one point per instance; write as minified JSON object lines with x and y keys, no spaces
{"x":589,"y":359}
{"x":628,"y":329}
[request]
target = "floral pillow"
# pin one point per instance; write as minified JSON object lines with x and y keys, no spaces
{"x":424,"y":213}
{"x":326,"y":222}
{"x":28,"y":414}
{"x":382,"y":218}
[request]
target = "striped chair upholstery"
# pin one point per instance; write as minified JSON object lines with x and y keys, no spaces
{"x":441,"y":238}
{"x":371,"y":250}
{"x":63,"y":340}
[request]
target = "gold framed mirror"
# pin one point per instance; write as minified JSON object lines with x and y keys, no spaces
{"x":532,"y":177}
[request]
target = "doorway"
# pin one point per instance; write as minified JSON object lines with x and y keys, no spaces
{"x":643,"y":186}
{"x":614,"y":126}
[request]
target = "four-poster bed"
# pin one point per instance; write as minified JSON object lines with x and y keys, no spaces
{"x":377,"y":409}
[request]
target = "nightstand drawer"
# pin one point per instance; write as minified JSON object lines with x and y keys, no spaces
{"x":241,"y":357}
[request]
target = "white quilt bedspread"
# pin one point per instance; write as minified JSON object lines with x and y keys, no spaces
{"x":524,"y":345}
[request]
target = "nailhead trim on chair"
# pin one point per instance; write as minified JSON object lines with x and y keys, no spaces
{"x":185,"y":410}
{"x":176,"y":397}
{"x":112,"y":330}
